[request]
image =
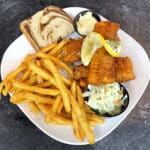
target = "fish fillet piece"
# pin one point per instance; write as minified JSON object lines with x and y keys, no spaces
{"x":105,"y":69}
{"x":72,"y":50}
{"x":102,"y":68}
{"x":83,"y":82}
{"x":124,"y":69}
{"x":107,"y":29}
{"x":80,"y":72}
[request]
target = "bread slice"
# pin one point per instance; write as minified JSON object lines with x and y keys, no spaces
{"x":47,"y":26}
{"x":57,"y":10}
{"x":24,"y":27}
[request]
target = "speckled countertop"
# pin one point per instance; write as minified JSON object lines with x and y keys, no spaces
{"x":18,"y":133}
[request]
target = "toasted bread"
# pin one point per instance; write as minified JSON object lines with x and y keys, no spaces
{"x":24,"y":27}
{"x":47,"y":26}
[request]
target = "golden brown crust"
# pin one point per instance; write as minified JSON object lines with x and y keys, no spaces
{"x":124,"y":69}
{"x":101,"y":69}
{"x":80,"y":72}
{"x":108,"y":30}
{"x":71,"y":51}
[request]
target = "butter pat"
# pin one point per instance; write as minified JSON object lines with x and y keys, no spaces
{"x":86,"y":23}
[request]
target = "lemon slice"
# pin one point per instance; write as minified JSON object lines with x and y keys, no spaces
{"x":92,"y":42}
{"x":112,"y":47}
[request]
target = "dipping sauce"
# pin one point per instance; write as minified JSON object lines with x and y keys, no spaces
{"x":86,"y":23}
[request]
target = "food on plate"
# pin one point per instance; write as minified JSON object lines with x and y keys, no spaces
{"x":105,"y":69}
{"x":109,"y":37}
{"x":55,"y":78}
{"x":58,"y":48}
{"x":75,"y":121}
{"x":109,"y":100}
{"x":51,"y":92}
{"x":26,"y":96}
{"x":49,"y":25}
{"x":34,"y":108}
{"x":48,"y":64}
{"x":94,"y":39}
{"x":100,"y":55}
{"x":92,"y":42}
{"x":124,"y":69}
{"x":83,"y":83}
{"x":38,"y":81}
{"x":71,"y":51}
{"x":90,"y":45}
{"x":111,"y":46}
{"x":102,"y":68}
{"x":108,"y":30}
{"x":80,"y":72}
{"x":85,"y":21}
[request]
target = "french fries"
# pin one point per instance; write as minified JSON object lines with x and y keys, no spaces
{"x":56,"y":105}
{"x":62,"y":65}
{"x":60,"y":107}
{"x":58,"y":48}
{"x":75,"y":121}
{"x":58,"y":120}
{"x":34,"y":107}
{"x":63,"y":90}
{"x":38,"y":81}
{"x":42,"y":73}
{"x":43,"y":91}
{"x":95,"y":118}
{"x":24,"y":96}
{"x":81,"y":104}
{"x":82,"y":120}
{"x":49,"y":48}
{"x":25,"y":76}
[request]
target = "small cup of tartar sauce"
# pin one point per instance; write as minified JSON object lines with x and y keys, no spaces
{"x":85,"y":21}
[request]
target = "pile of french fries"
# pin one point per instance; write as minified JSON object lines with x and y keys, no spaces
{"x":39,"y":82}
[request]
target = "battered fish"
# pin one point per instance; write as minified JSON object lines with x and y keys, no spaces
{"x":107,"y":29}
{"x":105,"y":69}
{"x":124,"y":69}
{"x":102,"y":68}
{"x":83,"y":83}
{"x":72,"y":51}
{"x":80,"y":72}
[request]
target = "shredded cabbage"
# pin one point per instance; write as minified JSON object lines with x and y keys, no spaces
{"x":103,"y":98}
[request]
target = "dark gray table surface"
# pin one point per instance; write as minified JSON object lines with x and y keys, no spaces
{"x":18,"y":133}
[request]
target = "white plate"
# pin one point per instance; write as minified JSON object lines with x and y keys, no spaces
{"x":21,"y":47}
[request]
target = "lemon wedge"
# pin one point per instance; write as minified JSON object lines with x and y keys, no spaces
{"x":112,"y":47}
{"x":92,"y":42}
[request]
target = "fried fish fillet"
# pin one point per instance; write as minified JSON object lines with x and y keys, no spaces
{"x":124,"y":69}
{"x":102,"y":68}
{"x":107,"y":29}
{"x":72,"y":50}
{"x":83,"y":82}
{"x":80,"y":72}
{"x":105,"y":69}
